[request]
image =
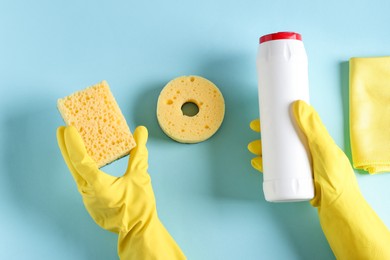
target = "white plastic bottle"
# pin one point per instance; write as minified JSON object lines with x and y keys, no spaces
{"x":283,"y":78}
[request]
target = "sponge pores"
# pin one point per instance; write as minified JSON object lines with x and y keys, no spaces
{"x":97,"y":117}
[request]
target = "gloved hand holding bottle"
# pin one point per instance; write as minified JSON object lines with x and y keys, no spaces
{"x":352,"y":228}
{"x":124,"y":205}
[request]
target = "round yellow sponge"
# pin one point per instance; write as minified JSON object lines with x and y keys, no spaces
{"x":207,"y":113}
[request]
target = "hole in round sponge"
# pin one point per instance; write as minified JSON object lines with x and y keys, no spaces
{"x":190,"y":109}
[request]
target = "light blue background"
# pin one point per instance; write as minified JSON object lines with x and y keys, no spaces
{"x":208,"y":196}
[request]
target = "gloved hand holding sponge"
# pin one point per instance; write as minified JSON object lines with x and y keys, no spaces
{"x":124,"y":205}
{"x":352,"y":228}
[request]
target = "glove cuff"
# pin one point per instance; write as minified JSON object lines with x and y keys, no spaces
{"x":149,"y":241}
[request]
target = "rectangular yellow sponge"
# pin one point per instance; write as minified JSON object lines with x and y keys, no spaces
{"x":100,"y":122}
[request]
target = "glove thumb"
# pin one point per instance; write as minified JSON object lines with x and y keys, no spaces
{"x":138,"y":160}
{"x":331,"y":167}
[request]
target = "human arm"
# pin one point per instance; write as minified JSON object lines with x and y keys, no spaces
{"x":351,"y":226}
{"x":124,"y":205}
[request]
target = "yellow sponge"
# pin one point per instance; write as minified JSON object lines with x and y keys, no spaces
{"x":99,"y":120}
{"x":202,"y":94}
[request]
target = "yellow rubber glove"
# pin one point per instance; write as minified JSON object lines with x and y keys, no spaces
{"x":125,"y":205}
{"x":352,"y":228}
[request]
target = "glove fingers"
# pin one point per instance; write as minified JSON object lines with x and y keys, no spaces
{"x":257,"y":163}
{"x":138,"y":160}
{"x":255,"y":147}
{"x":255,"y":125}
{"x":61,"y":143}
{"x":83,"y":165}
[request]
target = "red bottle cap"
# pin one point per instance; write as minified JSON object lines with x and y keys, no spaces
{"x":280,"y":36}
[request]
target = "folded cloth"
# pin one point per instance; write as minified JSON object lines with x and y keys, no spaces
{"x":369,"y":94}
